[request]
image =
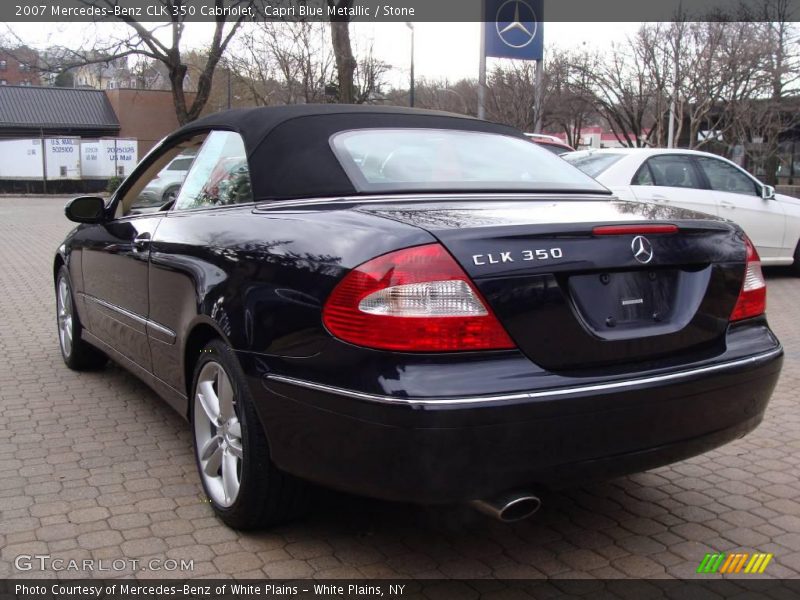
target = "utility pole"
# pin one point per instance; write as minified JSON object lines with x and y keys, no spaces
{"x":537,"y":107}
{"x":674,"y":100}
{"x":671,"y":130}
{"x":482,"y":75}
{"x":411,"y":87}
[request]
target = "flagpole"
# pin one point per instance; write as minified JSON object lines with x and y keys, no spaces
{"x":482,"y":67}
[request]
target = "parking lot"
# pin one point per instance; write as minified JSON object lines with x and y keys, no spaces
{"x":94,"y":465}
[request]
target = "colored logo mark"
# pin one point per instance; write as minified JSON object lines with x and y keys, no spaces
{"x":518,"y":32}
{"x":740,"y":562}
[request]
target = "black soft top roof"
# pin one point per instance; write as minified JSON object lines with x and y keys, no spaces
{"x":288,"y":147}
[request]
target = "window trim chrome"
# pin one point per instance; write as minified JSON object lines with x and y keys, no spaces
{"x":278,"y":205}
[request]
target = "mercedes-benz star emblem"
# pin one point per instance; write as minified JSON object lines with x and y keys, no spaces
{"x":520,"y":30}
{"x":642,"y":249}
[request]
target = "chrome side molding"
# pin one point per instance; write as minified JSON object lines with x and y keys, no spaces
{"x":153,"y":328}
{"x":554,"y":393}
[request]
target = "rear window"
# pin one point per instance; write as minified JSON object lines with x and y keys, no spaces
{"x":451,"y":160}
{"x":592,"y":163}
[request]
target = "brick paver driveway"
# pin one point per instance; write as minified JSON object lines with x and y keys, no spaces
{"x":94,"y":465}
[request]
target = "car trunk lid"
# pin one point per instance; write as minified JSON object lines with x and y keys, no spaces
{"x":575,"y":297}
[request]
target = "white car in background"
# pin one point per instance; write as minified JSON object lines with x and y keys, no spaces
{"x":165,"y":186}
{"x":703,"y":182}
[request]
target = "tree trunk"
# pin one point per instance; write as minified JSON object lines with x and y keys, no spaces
{"x":343,"y":52}
{"x":177,"y":73}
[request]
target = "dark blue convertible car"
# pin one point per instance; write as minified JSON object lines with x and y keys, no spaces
{"x":414,"y":306}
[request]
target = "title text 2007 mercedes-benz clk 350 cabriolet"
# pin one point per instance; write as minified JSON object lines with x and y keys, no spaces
{"x":412,"y":306}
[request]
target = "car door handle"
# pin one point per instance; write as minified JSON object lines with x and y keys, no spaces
{"x":660,"y":198}
{"x":141,"y":242}
{"x":728,"y":205}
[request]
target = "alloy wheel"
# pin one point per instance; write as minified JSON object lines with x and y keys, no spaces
{"x":218,"y":434}
{"x":64,"y":316}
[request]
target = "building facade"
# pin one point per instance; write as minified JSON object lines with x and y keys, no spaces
{"x":146,"y":115}
{"x":19,"y":66}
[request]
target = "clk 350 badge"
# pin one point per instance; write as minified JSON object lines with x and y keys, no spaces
{"x":499,"y":258}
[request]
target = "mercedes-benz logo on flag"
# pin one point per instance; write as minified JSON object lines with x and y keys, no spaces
{"x":516,"y":23}
{"x":642,"y":249}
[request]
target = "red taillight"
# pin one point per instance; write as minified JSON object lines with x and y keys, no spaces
{"x":634,"y":229}
{"x":414,"y":300}
{"x":752,"y":300}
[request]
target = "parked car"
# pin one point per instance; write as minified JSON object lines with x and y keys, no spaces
{"x":164,"y":187}
{"x":413,"y":306}
{"x":703,"y":182}
{"x":550,"y":142}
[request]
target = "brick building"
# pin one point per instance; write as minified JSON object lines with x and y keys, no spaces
{"x":19,"y":66}
{"x":146,"y":115}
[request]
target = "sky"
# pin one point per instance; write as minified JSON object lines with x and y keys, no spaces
{"x":452,"y":50}
{"x":442,"y":50}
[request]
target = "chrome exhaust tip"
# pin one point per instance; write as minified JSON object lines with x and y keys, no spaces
{"x":508,"y":507}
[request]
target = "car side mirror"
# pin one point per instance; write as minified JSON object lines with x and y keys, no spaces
{"x":85,"y":209}
{"x":768,"y":192}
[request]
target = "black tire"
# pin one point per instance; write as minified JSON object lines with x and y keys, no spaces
{"x":78,"y":354}
{"x":796,"y":263}
{"x":266,"y":496}
{"x":170,"y":194}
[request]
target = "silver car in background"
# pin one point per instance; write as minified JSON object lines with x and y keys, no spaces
{"x":164,"y":188}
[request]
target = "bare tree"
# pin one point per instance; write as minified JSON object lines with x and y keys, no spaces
{"x":512,"y":94}
{"x":720,"y":79}
{"x":622,"y":90}
{"x":732,"y":81}
{"x":782,"y":72}
{"x":284,"y":63}
{"x":149,"y":42}
{"x":658,"y":47}
{"x":568,"y":104}
{"x":699,"y":82}
{"x":457,"y":97}
{"x":368,"y":76}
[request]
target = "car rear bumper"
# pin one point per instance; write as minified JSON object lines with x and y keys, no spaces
{"x":440,"y":450}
